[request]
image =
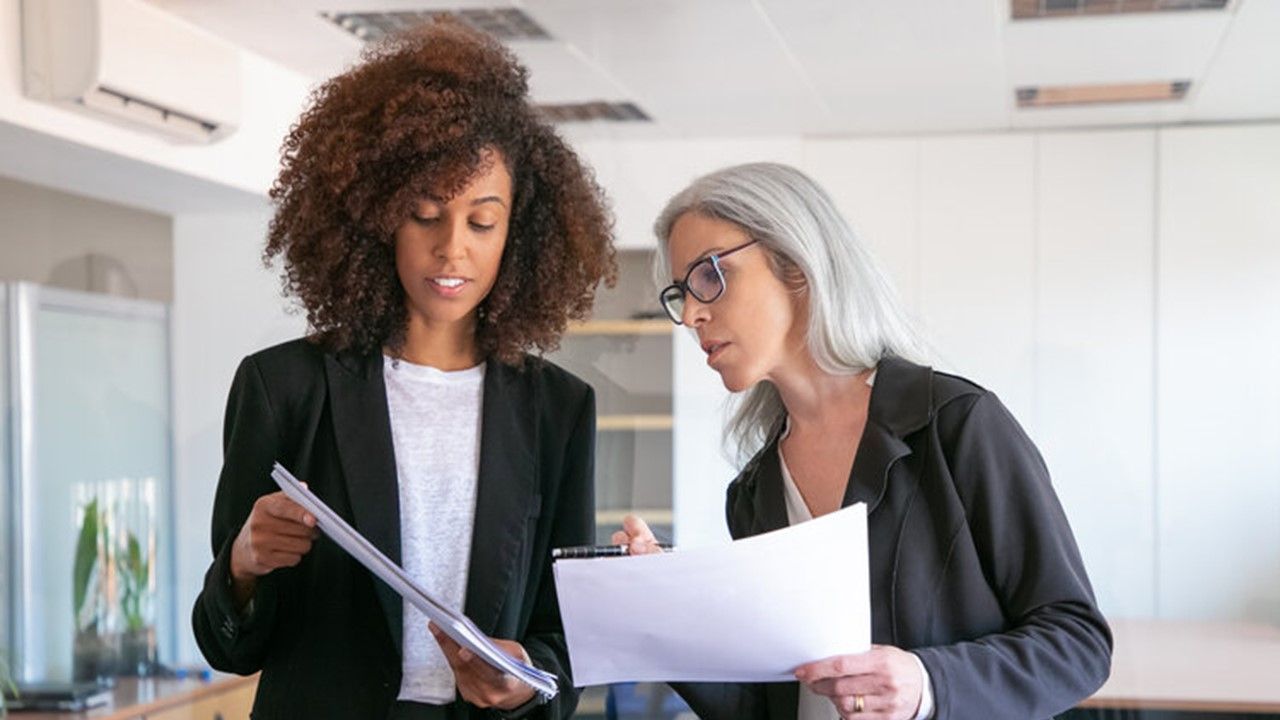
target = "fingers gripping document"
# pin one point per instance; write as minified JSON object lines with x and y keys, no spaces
{"x":452,"y":623}
{"x":749,"y":611}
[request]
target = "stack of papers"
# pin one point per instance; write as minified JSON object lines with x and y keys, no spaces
{"x":749,"y":611}
{"x":451,"y":622}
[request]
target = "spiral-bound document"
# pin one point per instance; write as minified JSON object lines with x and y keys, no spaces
{"x":452,"y":623}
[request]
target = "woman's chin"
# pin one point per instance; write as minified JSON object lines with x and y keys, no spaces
{"x":444,"y":313}
{"x":735,"y":382}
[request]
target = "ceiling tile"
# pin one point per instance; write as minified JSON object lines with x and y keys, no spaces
{"x":708,"y":66}
{"x":908,"y":65}
{"x":1243,"y":81}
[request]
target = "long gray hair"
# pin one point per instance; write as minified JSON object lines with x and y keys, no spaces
{"x":855,"y":317}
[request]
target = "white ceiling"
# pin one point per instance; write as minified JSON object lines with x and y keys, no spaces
{"x":747,"y":67}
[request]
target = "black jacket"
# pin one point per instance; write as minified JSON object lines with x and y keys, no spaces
{"x":973,"y":565}
{"x":325,"y":634}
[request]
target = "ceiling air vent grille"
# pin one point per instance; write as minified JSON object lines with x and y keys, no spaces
{"x":594,"y":112}
{"x":1033,"y":9}
{"x":1060,"y":95}
{"x":506,"y":24}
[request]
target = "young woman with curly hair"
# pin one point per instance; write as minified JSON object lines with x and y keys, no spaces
{"x":437,"y":232}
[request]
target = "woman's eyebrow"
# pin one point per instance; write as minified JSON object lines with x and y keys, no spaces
{"x":701,"y":257}
{"x":488,"y":198}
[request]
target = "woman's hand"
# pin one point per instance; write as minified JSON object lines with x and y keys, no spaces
{"x":277,"y":534}
{"x":637,"y":536}
{"x":884,"y":683}
{"x":480,"y":683}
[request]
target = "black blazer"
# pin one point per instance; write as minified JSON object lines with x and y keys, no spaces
{"x":325,"y":634}
{"x":973,"y":565}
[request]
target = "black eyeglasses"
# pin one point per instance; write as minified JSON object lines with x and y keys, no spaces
{"x":704,"y":281}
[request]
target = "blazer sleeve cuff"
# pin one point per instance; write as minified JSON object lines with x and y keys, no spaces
{"x":934,"y":663}
{"x":230,"y":624}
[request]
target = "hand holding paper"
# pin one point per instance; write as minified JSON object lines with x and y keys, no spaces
{"x":479,"y":683}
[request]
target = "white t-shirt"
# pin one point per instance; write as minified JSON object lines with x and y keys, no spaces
{"x":435,"y":428}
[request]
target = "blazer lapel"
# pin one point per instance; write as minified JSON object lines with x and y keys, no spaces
{"x":900,"y":402}
{"x":362,"y":430}
{"x":869,"y":477}
{"x":507,"y":489}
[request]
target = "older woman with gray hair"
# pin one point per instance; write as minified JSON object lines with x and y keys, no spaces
{"x":980,"y":605}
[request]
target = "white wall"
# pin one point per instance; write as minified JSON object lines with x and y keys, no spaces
{"x":47,"y":236}
{"x":977,"y":260}
{"x":1218,"y":346}
{"x":226,"y":305}
{"x":1094,"y":350}
{"x":641,"y":175}
{"x":1120,"y":291}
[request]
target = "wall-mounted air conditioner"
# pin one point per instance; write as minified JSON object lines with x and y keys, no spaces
{"x":133,"y":63}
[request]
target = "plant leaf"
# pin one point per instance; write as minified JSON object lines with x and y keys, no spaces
{"x":135,"y":557}
{"x":86,"y":554}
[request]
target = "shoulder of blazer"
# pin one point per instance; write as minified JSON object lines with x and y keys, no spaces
{"x":560,"y":390}
{"x":948,"y":388}
{"x":292,"y":371}
{"x":292,"y":358}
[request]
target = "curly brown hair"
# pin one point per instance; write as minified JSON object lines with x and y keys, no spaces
{"x":414,"y":119}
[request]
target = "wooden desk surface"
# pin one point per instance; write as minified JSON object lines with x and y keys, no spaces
{"x":133,"y":697}
{"x":1189,"y":665}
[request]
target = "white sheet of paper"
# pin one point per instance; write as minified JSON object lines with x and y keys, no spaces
{"x":748,"y":611}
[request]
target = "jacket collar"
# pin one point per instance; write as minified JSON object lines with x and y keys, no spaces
{"x":507,"y":476}
{"x":901,"y":403}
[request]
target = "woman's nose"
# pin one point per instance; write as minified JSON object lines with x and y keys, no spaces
{"x":694,"y":312}
{"x":451,"y":242}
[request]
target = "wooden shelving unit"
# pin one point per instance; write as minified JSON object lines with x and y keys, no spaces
{"x":653,"y":516}
{"x":621,"y":327}
{"x":633,"y":423}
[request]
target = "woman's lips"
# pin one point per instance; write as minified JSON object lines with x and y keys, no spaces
{"x":714,"y":352}
{"x":449,"y":287}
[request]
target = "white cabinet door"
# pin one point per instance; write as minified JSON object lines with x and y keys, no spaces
{"x":1218,"y":389}
{"x":874,"y":183}
{"x":1094,"y":353}
{"x":977,"y":261}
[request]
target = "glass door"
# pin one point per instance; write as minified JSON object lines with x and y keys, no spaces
{"x":91,"y":557}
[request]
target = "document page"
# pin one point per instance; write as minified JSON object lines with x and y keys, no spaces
{"x":749,"y":611}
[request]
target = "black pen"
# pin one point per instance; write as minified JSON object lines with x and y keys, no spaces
{"x":595,"y":551}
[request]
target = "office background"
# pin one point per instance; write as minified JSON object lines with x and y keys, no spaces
{"x":1112,"y":272}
